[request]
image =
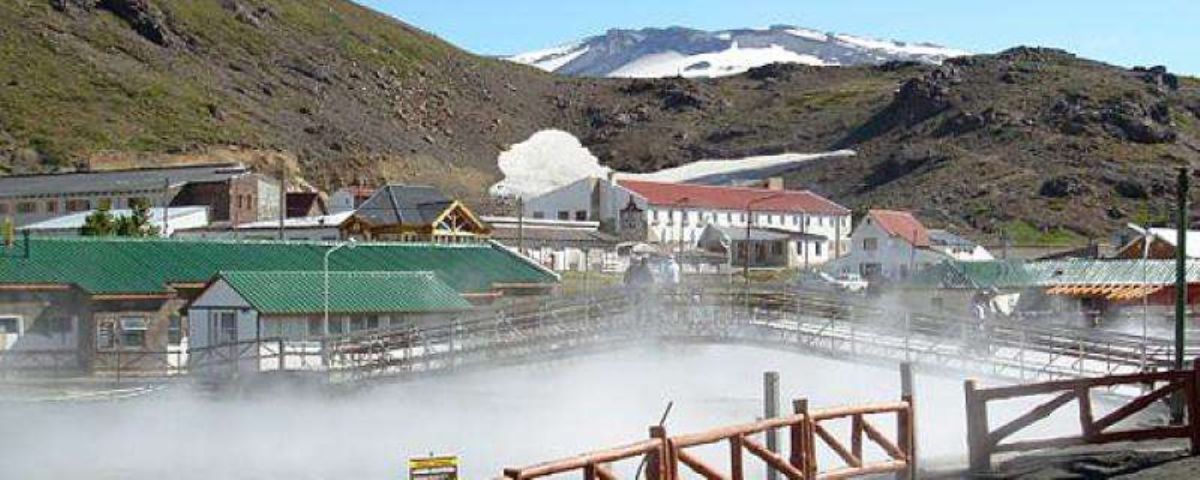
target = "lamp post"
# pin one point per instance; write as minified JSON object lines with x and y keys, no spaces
{"x":339,"y":246}
{"x":681,"y":204}
{"x":749,"y":221}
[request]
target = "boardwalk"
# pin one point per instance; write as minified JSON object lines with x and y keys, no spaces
{"x":804,"y":322}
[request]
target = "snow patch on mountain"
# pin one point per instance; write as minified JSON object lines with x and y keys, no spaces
{"x":733,"y":61}
{"x":668,"y":52}
{"x":551,"y":159}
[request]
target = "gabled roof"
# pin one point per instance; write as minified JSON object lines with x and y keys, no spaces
{"x":140,"y":179}
{"x":300,"y":204}
{"x":732,"y":198}
{"x":1168,"y":235}
{"x":349,"y":292}
{"x":901,"y":224}
{"x":137,"y":266}
{"x":405,"y":205}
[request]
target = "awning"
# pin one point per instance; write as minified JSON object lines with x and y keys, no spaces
{"x":1111,"y":292}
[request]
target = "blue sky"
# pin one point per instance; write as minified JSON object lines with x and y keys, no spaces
{"x":1125,"y":32}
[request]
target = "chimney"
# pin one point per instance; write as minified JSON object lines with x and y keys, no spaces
{"x":775,"y":184}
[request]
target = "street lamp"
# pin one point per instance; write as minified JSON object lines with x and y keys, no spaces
{"x":746,"y":246}
{"x":351,"y":243}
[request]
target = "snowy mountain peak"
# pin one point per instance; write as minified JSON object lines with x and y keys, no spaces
{"x":678,"y":51}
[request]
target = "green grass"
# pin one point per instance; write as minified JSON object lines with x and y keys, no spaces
{"x":1020,"y":232}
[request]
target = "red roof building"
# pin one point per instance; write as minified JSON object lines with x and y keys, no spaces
{"x":902,"y":224}
{"x":733,"y":198}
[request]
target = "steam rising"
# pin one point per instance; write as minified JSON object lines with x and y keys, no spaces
{"x":508,"y":416}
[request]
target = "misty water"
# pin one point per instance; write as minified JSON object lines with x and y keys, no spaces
{"x":506,"y":416}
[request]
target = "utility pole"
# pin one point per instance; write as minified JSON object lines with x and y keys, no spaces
{"x":282,"y":198}
{"x":521,"y":225}
{"x":1182,"y":224}
{"x":771,"y":410}
{"x":166,"y":207}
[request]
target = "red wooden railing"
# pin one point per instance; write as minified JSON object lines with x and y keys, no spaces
{"x":983,"y":442}
{"x":807,"y":430}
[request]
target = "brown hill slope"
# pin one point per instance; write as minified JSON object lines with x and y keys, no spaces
{"x":1027,"y":138}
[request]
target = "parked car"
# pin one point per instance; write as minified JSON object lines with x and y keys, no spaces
{"x":822,"y":281}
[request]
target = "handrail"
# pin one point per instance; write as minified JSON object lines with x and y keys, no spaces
{"x":983,"y":441}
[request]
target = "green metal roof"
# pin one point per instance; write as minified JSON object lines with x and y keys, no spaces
{"x":349,"y":292}
{"x":131,"y":266}
{"x":1001,"y":274}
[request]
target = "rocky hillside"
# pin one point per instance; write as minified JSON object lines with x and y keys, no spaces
{"x":349,"y":92}
{"x":1028,"y":141}
{"x":1034,"y":142}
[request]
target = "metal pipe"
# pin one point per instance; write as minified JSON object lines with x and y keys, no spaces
{"x":1181,"y":285}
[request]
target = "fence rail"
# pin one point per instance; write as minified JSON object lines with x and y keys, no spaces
{"x":983,"y":441}
{"x":666,"y":456}
{"x":817,"y":323}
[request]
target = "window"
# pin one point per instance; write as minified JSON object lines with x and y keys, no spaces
{"x":223,"y":327}
{"x":337,"y":326}
{"x":51,"y":206}
{"x":175,"y":330}
{"x":316,"y":327}
{"x":78,"y":205}
{"x":10,"y":325}
{"x":106,"y":337}
{"x":817,"y":249}
{"x":372,"y":322}
{"x":26,"y":207}
{"x":581,"y":215}
{"x":133,"y":332}
{"x":870,"y":244}
{"x":728,"y":217}
{"x":539,"y":214}
{"x":106,"y":203}
{"x":564,"y":215}
{"x":3,"y":209}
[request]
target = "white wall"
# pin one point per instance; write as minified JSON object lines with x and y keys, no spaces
{"x":894,"y":255}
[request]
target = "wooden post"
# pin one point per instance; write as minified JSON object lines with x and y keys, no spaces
{"x":771,"y":410}
{"x":1192,"y":394}
{"x":906,"y":423}
{"x":977,"y":430}
{"x":1083,"y":396}
{"x":282,"y":355}
{"x":656,"y":468}
{"x":799,"y":457}
{"x":736,"y":472}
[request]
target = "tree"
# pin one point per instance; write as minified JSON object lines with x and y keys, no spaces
{"x":138,"y":224}
{"x":99,"y":223}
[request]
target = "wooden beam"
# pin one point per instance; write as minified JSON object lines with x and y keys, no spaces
{"x":705,"y":470}
{"x":772,"y":459}
{"x":1039,"y":412}
{"x":886,"y":444}
{"x":837,"y":446}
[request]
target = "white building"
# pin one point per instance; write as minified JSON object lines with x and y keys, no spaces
{"x":957,"y":247}
{"x":177,"y":219}
{"x":559,"y":245}
{"x":348,"y":199}
{"x":676,"y":215}
{"x":888,"y":245}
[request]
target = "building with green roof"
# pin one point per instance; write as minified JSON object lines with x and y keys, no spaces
{"x":244,"y":306}
{"x":92,"y":298}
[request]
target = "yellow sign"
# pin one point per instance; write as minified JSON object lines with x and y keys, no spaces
{"x":433,"y":468}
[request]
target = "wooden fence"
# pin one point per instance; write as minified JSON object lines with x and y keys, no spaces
{"x":664,"y":455}
{"x":983,"y":442}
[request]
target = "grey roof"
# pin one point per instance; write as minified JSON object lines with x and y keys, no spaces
{"x":947,"y":239}
{"x":404,"y":205}
{"x":142,"y":179}
{"x":510,"y":235}
{"x":756,"y":234}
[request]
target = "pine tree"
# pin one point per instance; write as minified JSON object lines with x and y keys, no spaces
{"x":99,"y":223}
